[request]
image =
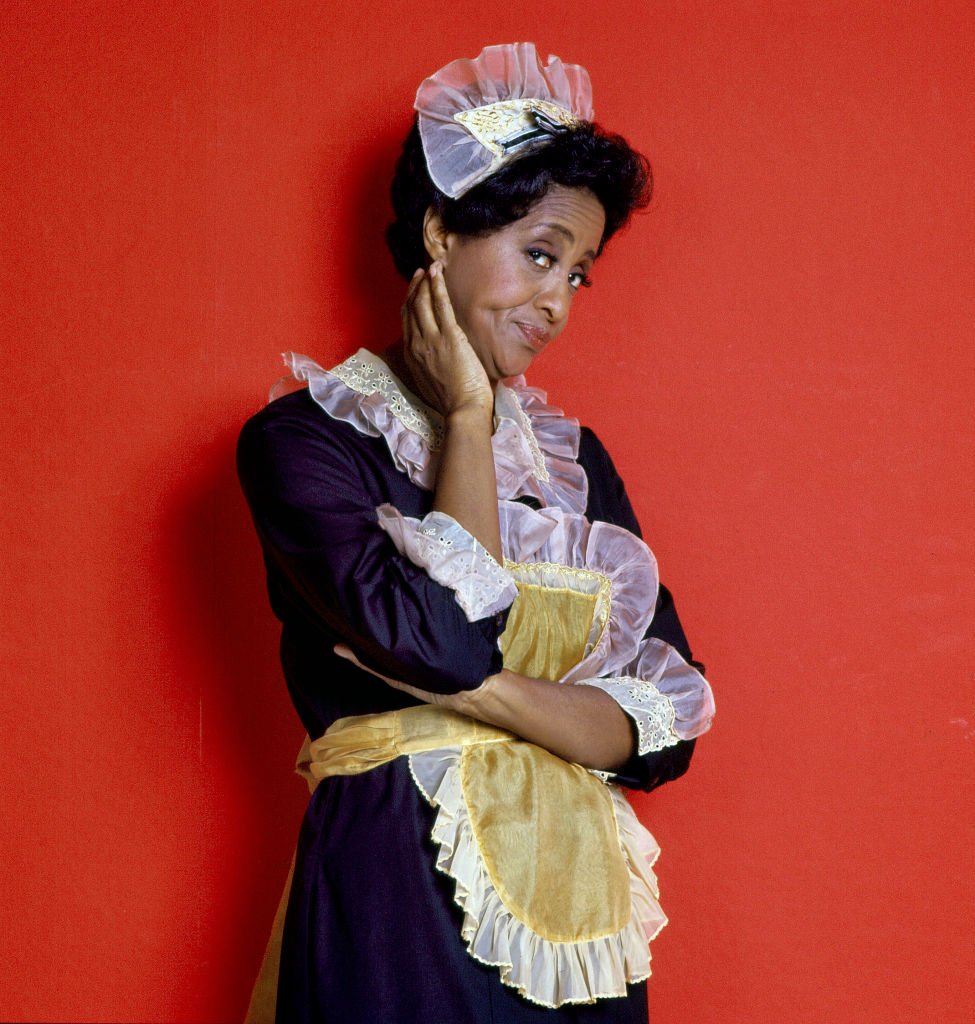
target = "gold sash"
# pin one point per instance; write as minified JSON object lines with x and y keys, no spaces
{"x":545,"y":829}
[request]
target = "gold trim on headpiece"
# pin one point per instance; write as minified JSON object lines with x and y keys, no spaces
{"x":508,"y":124}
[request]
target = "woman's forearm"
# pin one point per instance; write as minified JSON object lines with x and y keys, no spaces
{"x":466,"y":488}
{"x":578,"y":723}
{"x":437,"y":362}
{"x":582,"y":724}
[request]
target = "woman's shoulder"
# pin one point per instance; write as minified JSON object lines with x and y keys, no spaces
{"x":607,"y":499}
{"x":592,"y":451}
{"x":293,"y":437}
{"x":596,"y":460}
{"x":294,"y":407}
{"x":290,"y":418}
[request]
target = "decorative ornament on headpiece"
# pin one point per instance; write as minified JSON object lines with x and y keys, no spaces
{"x":478,"y":115}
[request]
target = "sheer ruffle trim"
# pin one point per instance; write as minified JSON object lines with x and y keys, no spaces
{"x":536,"y":455}
{"x":535,"y":444}
{"x":463,"y":132}
{"x":363,"y":392}
{"x":551,"y":536}
{"x":452,"y":557}
{"x":667,"y":699}
{"x":548,"y":973}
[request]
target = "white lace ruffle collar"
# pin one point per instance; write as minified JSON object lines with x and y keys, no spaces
{"x":535,"y":444}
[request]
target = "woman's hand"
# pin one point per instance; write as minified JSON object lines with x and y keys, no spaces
{"x":444,"y":368}
{"x":445,"y":371}
{"x":444,"y":700}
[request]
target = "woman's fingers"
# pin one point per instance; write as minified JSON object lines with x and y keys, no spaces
{"x":445,"y":369}
{"x":421,"y":310}
{"x":344,"y":651}
{"x":405,"y":311}
{"x":428,"y":305}
{"x":427,"y":309}
{"x":443,"y":310}
{"x":414,"y":283}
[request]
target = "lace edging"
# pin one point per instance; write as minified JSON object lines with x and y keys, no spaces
{"x":368,"y":375}
{"x":688,"y":692}
{"x":668,"y":699}
{"x":453,"y":558}
{"x":553,"y":445}
{"x":651,"y":711}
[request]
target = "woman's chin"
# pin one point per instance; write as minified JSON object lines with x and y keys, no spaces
{"x":515,"y":365}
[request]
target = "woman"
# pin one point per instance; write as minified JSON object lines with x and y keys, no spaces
{"x":446,"y":553}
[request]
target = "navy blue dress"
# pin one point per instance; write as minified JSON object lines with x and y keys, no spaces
{"x":372,"y":932}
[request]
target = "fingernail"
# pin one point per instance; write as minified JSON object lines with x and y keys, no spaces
{"x":417,"y":273}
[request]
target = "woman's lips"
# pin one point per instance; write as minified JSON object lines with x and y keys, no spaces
{"x":537,"y":337}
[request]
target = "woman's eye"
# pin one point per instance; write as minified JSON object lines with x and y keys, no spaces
{"x":541,"y":258}
{"x":545,"y":260}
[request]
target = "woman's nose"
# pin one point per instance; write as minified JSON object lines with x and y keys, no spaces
{"x":555,"y":298}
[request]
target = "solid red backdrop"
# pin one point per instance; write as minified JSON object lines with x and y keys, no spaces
{"x":779,"y":356}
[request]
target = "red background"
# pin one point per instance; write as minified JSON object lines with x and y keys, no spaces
{"x":779,"y":356}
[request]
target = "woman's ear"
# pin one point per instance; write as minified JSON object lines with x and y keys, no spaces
{"x":435,"y":236}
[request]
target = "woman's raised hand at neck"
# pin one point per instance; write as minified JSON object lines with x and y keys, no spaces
{"x":438,"y":364}
{"x":434,"y":354}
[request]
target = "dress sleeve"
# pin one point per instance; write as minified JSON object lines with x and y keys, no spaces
{"x":454,"y":558}
{"x":609,"y":502}
{"x":316,"y":516}
{"x":667,"y":699}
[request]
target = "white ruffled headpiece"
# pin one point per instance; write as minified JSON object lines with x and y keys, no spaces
{"x":478,"y":115}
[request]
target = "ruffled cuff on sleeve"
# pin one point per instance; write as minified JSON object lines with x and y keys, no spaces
{"x":667,"y":699}
{"x":453,"y":558}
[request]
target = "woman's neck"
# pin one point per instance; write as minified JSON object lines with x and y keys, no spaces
{"x":395,"y":358}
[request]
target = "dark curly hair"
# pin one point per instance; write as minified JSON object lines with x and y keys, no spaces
{"x":588,"y":157}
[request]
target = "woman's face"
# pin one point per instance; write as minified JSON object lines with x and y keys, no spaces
{"x":512,"y":289}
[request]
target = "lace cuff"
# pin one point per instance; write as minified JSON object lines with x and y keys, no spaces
{"x":453,"y":558}
{"x":666,"y":698}
{"x":650,"y":709}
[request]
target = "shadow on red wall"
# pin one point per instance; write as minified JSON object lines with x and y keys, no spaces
{"x":215,"y":593}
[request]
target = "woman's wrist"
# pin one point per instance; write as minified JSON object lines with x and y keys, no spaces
{"x":466,"y":489}
{"x":578,"y":723}
{"x":485,"y":703}
{"x":473,"y":412}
